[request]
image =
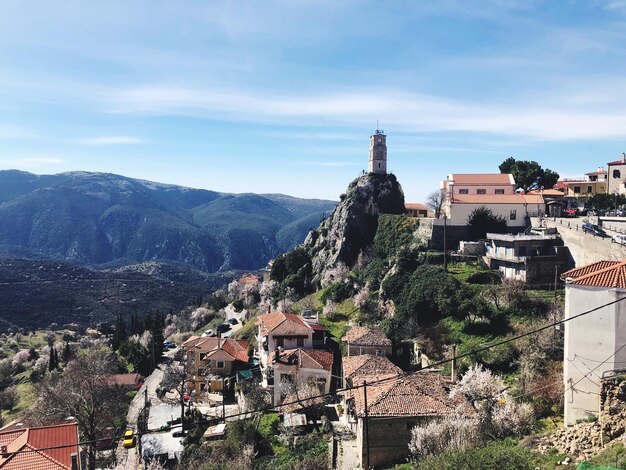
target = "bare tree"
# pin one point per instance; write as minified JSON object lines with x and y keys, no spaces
{"x":435,"y":202}
{"x":83,"y":391}
{"x":176,"y":377}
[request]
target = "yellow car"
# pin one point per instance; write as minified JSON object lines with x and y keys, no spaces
{"x":130,"y":440}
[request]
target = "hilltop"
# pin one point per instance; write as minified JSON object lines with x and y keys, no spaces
{"x":104,"y":220}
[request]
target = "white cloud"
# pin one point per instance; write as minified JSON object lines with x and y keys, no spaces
{"x":554,"y":119}
{"x":112,"y":140}
{"x":31,"y":161}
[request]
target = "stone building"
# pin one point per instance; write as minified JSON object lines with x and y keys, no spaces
{"x":595,"y":343}
{"x":378,"y":153}
{"x":367,"y":340}
{"x":617,"y":176}
{"x":395,"y":406}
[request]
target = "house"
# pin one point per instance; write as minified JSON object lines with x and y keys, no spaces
{"x":595,"y":344}
{"x":367,"y":340}
{"x":249,"y":280}
{"x":288,"y":331}
{"x":554,"y":199}
{"x":458,"y":184}
{"x":394,"y":407}
{"x":496,"y":192}
{"x":355,"y":369}
{"x":296,"y":368}
{"x":417,"y":209}
{"x":595,"y":182}
{"x":42,"y":448}
{"x":534,"y":258}
{"x":616,"y":176}
{"x":214,"y":362}
{"x":131,"y":381}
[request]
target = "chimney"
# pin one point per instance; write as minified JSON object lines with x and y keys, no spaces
{"x":219,"y":339}
{"x":623,"y":157}
{"x":75,"y":461}
{"x":4,"y":451}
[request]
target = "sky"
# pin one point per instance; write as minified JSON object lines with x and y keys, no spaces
{"x":282,"y":96}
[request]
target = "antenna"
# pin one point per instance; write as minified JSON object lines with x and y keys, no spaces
{"x":376,"y":125}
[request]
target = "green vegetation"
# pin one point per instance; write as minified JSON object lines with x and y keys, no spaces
{"x":529,"y":174}
{"x":495,"y":456}
{"x":482,"y":221}
{"x":394,"y":232}
{"x":614,"y":456}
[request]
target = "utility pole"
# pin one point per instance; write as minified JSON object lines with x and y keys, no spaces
{"x":454,"y":366}
{"x":556,"y":278}
{"x":223,"y":402}
{"x":445,"y":250}
{"x":367,"y":427}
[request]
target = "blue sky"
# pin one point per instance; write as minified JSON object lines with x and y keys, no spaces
{"x":281,"y":96}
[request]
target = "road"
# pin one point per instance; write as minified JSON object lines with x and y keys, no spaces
{"x":128,"y":459}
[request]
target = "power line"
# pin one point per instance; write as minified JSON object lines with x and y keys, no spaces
{"x":376,"y":382}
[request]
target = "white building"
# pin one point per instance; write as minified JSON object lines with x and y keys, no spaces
{"x":286,"y":348}
{"x":595,"y":344}
{"x":466,"y":192}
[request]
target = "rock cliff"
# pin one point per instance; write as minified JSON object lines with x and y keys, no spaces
{"x":352,"y":225}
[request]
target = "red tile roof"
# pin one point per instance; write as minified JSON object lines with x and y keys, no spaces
{"x":418,"y":394}
{"x":125,"y":380}
{"x":29,"y":440}
{"x":305,"y":358}
{"x":617,"y":162}
{"x":611,"y":274}
{"x":366,"y":336}
{"x":279,"y":323}
{"x":497,"y":199}
{"x":418,"y":206}
{"x":237,"y":348}
{"x":367,"y":366}
{"x":546,"y":192}
{"x":477,"y":179}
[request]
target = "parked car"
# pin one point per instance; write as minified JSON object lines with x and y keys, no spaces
{"x":169,"y":344}
{"x":571,"y":213}
{"x":130,"y":440}
{"x":233,"y":321}
{"x":616,"y":213}
{"x":223,"y":327}
{"x":208,"y":333}
{"x":594,"y":230}
{"x":621,"y":239}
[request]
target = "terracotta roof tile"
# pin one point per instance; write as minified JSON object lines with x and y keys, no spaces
{"x":238,"y":349}
{"x":366,"y":336}
{"x":368,"y":366}
{"x":416,"y":206}
{"x":497,"y":199}
{"x":279,"y":323}
{"x":470,"y":179}
{"x":306,"y":358}
{"x":417,"y":394}
{"x":611,"y":274}
{"x":40,"y":438}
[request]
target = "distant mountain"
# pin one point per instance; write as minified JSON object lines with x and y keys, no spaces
{"x":36,"y":293}
{"x":105,"y":220}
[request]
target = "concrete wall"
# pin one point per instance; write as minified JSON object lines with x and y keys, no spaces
{"x":584,"y":248}
{"x":299,"y":376}
{"x":592,"y":346}
{"x":359,"y":350}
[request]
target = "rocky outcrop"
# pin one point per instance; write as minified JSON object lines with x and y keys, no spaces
{"x":352,"y":225}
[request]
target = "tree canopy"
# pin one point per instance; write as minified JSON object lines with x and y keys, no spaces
{"x":482,"y":221}
{"x":529,"y":174}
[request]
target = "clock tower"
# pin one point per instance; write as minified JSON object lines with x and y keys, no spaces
{"x":378,"y":153}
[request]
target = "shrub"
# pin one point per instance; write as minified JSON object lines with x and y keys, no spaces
{"x":482,"y":221}
{"x":495,"y":456}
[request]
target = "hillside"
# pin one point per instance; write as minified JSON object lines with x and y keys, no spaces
{"x":36,"y":293}
{"x":106,"y":220}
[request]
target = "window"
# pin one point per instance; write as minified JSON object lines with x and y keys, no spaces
{"x":300,"y":342}
{"x":499,"y":191}
{"x":589,"y":189}
{"x":617,"y":174}
{"x":463,"y":191}
{"x":513,"y":214}
{"x":202,"y":356}
{"x":481,"y":191}
{"x":219,"y":364}
{"x":280,"y":342}
{"x":576,"y":189}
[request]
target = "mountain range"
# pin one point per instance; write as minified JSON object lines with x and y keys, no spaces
{"x":104,"y":220}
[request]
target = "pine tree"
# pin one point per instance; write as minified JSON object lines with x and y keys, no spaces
{"x":120,"y":334}
{"x":67,"y":352}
